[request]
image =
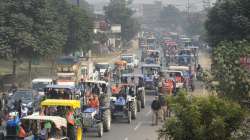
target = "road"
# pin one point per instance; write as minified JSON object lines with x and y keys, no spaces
{"x":139,"y":129}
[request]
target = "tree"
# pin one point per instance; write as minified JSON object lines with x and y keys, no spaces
{"x":202,"y":118}
{"x":228,"y":20}
{"x":39,"y":28}
{"x":194,"y":24}
{"x":27,"y":29}
{"x":80,"y":31}
{"x":233,"y":78}
{"x":171,"y":18}
{"x":118,"y":12}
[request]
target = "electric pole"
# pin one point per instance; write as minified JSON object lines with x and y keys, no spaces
{"x":188,"y":8}
{"x":78,"y":3}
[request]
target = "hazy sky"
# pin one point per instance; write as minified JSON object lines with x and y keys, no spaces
{"x":181,"y":4}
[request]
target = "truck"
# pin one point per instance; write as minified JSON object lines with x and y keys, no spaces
{"x":70,"y":71}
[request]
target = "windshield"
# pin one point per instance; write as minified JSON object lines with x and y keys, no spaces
{"x":25,"y":96}
{"x":67,"y":78}
{"x":184,"y":52}
{"x":127,"y":59}
{"x":39,"y":86}
{"x":101,"y":66}
{"x":151,"y":41}
{"x":150,"y":71}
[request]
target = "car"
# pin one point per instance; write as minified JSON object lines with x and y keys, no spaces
{"x":39,"y":84}
{"x":29,"y":98}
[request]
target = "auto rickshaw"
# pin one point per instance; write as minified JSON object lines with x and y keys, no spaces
{"x":48,"y":127}
{"x":121,"y":64}
{"x":54,"y":107}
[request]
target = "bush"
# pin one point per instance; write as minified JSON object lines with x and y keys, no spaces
{"x":202,"y":118}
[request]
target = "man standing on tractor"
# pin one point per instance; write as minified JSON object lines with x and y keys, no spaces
{"x":156,"y":107}
{"x":94,"y":101}
{"x":116,"y":89}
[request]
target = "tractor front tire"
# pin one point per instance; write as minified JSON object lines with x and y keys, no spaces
{"x":138,"y":106}
{"x":143,"y":99}
{"x":133,"y":109}
{"x":100,"y":130}
{"x":106,"y":118}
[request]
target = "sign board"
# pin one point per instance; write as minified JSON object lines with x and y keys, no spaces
{"x":116,"y":28}
{"x":245,"y":62}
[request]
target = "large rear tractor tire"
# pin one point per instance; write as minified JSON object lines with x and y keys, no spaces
{"x":133,"y":109}
{"x":129,"y":117}
{"x":106,"y":118}
{"x":138,"y":106}
{"x":143,"y":99}
{"x":2,"y":136}
{"x":100,"y":130}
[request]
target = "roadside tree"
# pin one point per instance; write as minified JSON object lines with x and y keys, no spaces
{"x":233,"y":77}
{"x":118,"y":12}
{"x":228,"y":20}
{"x":202,"y":118}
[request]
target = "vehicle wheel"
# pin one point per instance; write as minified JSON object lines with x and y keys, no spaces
{"x":100,"y":130}
{"x":129,"y":117}
{"x":132,"y":107}
{"x":2,"y":136}
{"x":106,"y":118}
{"x":138,"y":106}
{"x":143,"y":99}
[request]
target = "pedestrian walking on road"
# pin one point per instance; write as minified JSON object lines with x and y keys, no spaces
{"x":156,"y":107}
{"x":162,"y":100}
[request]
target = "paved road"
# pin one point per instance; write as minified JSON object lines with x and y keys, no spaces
{"x":139,"y":129}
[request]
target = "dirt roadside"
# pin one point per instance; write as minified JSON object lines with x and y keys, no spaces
{"x":44,"y":69}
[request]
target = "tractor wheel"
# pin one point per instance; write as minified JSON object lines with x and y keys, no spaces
{"x":100,"y":130}
{"x":129,"y":117}
{"x":106,"y":118}
{"x":138,"y":106}
{"x":143,"y":99}
{"x":132,"y":107}
{"x":2,"y":136}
